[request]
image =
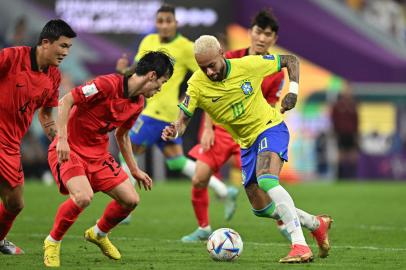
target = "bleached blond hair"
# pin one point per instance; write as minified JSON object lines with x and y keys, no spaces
{"x":205,"y":43}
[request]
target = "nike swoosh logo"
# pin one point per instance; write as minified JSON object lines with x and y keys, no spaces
{"x":215,"y":99}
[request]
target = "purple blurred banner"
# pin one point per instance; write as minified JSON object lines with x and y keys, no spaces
{"x":382,"y":167}
{"x":313,"y":33}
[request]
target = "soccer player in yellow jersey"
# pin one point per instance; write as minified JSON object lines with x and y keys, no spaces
{"x":162,"y":108}
{"x":230,"y":92}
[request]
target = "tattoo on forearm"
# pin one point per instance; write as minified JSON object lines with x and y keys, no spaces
{"x":50,"y":130}
{"x":49,"y":124}
{"x":51,"y":134}
{"x":292,"y":64}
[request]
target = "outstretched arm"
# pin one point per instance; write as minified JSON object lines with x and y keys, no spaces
{"x":124,"y":143}
{"x":64,"y":108}
{"x":177,"y":128}
{"x":292,"y":64}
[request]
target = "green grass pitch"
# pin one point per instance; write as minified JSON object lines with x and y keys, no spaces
{"x":369,"y":231}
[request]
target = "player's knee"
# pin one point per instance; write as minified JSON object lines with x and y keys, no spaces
{"x":83,"y":200}
{"x":176,"y":163}
{"x":14,"y":206}
{"x":199,"y":182}
{"x":138,"y":149}
{"x":131,"y":203}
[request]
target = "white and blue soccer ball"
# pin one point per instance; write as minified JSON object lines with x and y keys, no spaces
{"x":224,"y":244}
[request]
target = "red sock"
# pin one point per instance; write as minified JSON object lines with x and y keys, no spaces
{"x":113,"y":214}
{"x":66,"y":215}
{"x":200,"y":201}
{"x":6,"y":220}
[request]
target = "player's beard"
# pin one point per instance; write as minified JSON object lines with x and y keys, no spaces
{"x":219,"y":76}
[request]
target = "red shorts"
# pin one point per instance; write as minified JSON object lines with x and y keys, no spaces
{"x":224,"y":147}
{"x":103,"y":174}
{"x":11,"y":169}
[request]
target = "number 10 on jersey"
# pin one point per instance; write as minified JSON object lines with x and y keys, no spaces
{"x":238,"y":109}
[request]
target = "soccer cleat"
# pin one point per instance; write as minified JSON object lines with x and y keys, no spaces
{"x":8,"y":248}
{"x":197,"y":235}
{"x":321,"y":235}
{"x":103,"y":243}
{"x":52,"y":253}
{"x":298,"y":254}
{"x":230,"y":203}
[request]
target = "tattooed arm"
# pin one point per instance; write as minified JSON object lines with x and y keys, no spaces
{"x":47,"y":122}
{"x":292,"y":64}
{"x":176,"y":129}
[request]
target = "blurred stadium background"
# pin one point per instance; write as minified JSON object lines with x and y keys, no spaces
{"x":348,"y":130}
{"x":356,"y":47}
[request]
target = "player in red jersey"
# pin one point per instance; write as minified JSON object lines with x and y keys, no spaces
{"x":217,"y":146}
{"x":29,"y":80}
{"x":79,"y":157}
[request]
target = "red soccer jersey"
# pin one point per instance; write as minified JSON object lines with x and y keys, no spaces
{"x":23,"y":89}
{"x":100,"y":106}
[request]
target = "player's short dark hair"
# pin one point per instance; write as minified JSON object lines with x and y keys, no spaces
{"x":264,"y":19}
{"x":166,"y":8}
{"x":54,"y":29}
{"x":157,"y":61}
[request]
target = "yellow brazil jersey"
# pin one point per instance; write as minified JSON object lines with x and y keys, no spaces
{"x":236,"y":102}
{"x":163,"y":105}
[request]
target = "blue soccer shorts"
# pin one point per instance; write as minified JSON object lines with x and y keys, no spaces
{"x":274,"y":139}
{"x":147,"y":132}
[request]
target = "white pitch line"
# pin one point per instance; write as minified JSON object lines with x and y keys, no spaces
{"x":37,"y":235}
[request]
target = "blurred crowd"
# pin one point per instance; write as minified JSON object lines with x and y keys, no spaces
{"x":389,"y":16}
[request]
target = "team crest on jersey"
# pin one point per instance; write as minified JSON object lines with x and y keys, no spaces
{"x":247,"y":87}
{"x":269,"y":57}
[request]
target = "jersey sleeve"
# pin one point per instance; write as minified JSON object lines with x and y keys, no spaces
{"x":6,"y":56}
{"x":130,"y":122}
{"x":97,"y":89}
{"x":191,"y":100}
{"x":263,"y":65}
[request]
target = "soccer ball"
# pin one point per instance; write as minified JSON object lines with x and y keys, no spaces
{"x":224,"y":244}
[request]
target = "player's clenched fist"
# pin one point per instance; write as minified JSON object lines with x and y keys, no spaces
{"x":169,"y":133}
{"x":288,"y":102}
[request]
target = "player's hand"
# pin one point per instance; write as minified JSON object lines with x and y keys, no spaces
{"x":142,"y":178}
{"x":288,"y":102}
{"x":63,"y":150}
{"x":122,"y":63}
{"x":207,"y":140}
{"x":169,"y":132}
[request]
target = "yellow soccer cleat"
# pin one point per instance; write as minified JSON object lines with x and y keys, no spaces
{"x":52,"y":253}
{"x":103,"y":243}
